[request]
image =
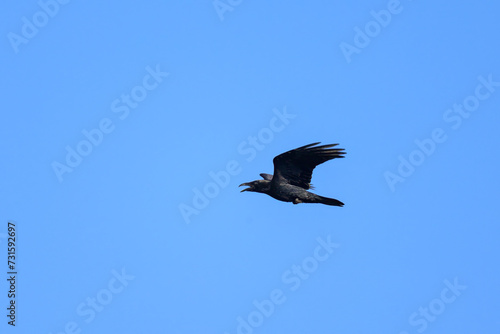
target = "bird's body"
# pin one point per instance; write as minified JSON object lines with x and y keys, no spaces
{"x":292,"y":175}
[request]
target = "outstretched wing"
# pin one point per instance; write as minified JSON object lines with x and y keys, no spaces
{"x":296,"y":166}
{"x":267,"y":177}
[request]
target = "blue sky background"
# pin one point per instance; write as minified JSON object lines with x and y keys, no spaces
{"x":105,"y":248}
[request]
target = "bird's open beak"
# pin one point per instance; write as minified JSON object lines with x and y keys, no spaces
{"x":247,"y":184}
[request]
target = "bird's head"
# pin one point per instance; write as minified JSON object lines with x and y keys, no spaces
{"x":259,"y":186}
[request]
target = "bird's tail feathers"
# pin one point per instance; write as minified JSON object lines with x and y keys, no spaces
{"x":329,"y":201}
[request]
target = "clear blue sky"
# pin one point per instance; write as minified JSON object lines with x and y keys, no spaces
{"x":127,"y":128}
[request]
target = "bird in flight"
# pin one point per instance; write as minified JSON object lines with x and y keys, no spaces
{"x":292,"y":175}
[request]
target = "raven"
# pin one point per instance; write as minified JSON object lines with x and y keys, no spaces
{"x":292,"y":175}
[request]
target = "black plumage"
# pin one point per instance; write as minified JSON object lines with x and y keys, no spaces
{"x":292,"y":175}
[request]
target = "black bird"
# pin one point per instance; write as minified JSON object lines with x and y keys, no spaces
{"x":292,"y":175}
